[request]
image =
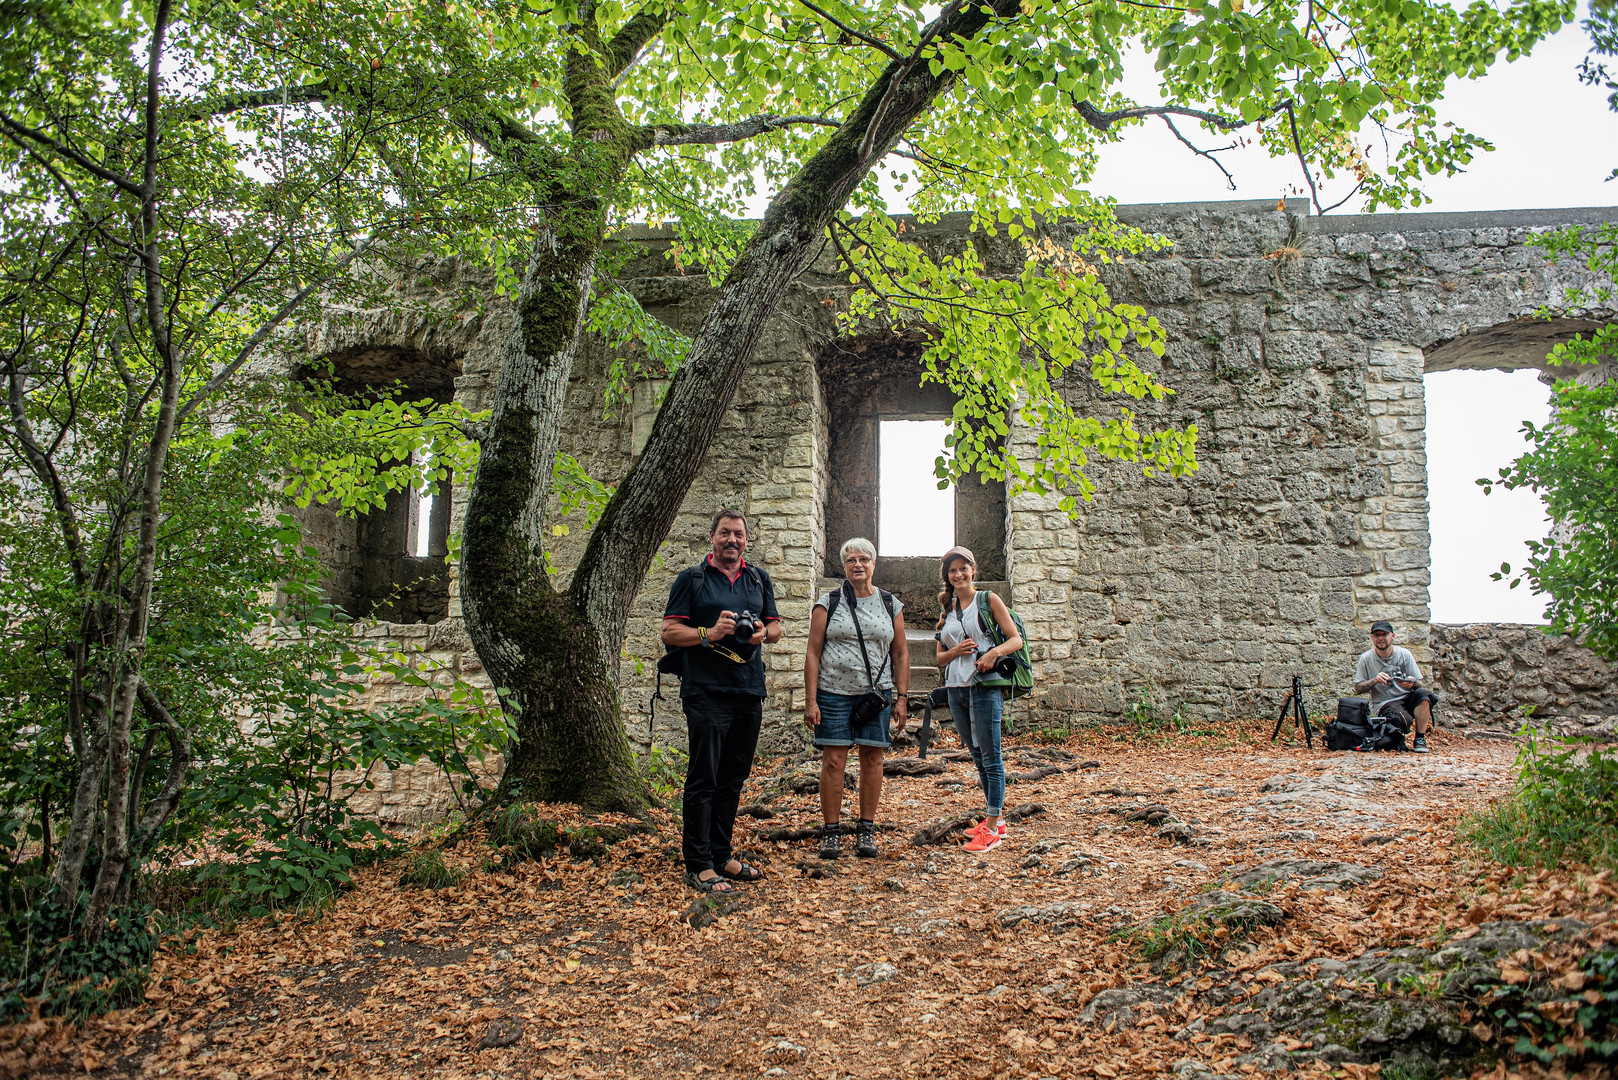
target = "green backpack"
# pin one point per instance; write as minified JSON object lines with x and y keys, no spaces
{"x":1021,"y":682}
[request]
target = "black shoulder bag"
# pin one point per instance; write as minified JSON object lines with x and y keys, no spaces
{"x":869,"y":705}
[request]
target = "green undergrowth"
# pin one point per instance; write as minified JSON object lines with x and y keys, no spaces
{"x":1196,"y":935}
{"x":426,"y":867}
{"x":1563,"y":809}
{"x":522,"y":832}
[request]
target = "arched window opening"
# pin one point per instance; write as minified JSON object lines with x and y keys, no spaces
{"x":389,"y":564}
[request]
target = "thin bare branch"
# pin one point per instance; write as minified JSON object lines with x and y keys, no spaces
{"x":23,"y":135}
{"x":1101,"y":121}
{"x":1209,"y":154}
{"x":881,"y":46}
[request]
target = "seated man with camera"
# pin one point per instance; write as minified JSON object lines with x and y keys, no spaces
{"x":1388,"y":673}
{"x":719,"y":613}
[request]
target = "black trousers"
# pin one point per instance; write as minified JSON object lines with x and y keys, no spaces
{"x":1405,"y":708}
{"x":722,"y":730}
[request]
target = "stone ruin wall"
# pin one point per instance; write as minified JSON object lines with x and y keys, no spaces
{"x":1296,"y":344}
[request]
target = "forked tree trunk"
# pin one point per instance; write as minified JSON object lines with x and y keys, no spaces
{"x":533,"y":640}
{"x":558,"y":653}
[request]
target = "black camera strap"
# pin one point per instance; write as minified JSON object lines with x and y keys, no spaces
{"x":854,"y":613}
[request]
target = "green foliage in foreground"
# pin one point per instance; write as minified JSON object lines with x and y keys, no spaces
{"x":1564,"y":809}
{"x":1572,"y":462}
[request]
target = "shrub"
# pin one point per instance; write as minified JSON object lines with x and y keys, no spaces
{"x":43,"y":958}
{"x":1564,"y":809}
{"x":426,"y":867}
{"x":665,"y":771}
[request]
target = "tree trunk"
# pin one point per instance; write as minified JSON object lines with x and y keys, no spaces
{"x":558,"y":653}
{"x":642,"y":510}
{"x":533,"y":640}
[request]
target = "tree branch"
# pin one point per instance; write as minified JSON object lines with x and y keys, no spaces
{"x":625,"y":46}
{"x":853,"y":33}
{"x":307,"y":94}
{"x":710,"y":134}
{"x":903,"y":73}
{"x":263,"y":333}
{"x":22,"y":134}
{"x":1101,"y":121}
{"x":1297,"y":145}
{"x":1209,"y":154}
{"x":160,"y":808}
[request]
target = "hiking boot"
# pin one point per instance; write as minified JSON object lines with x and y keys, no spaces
{"x":1421,"y":745}
{"x":831,"y":844}
{"x":865,"y":840}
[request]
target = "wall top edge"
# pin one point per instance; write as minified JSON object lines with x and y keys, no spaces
{"x":1334,"y":225}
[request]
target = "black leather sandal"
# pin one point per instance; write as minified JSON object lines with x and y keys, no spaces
{"x":717,"y":884}
{"x":746,"y":875}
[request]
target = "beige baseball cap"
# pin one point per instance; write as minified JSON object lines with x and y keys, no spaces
{"x":959,"y":553}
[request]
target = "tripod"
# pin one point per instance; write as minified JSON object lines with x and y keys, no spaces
{"x":1295,"y":702}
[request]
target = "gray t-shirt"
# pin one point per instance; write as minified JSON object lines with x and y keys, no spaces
{"x":1400,"y":665}
{"x":841,"y":669}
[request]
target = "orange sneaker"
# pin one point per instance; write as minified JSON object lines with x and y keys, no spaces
{"x":983,"y":839}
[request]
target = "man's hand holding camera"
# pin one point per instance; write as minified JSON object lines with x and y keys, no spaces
{"x":726,"y":626}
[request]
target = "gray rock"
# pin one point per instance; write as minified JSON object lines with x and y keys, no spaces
{"x":1126,"y":1005}
{"x":1235,"y":910}
{"x":1062,"y":913}
{"x":879,"y":972}
{"x":1032,"y":861}
{"x":893,"y":884}
{"x":1309,"y":873}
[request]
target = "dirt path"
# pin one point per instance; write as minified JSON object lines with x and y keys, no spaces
{"x":925,"y":962}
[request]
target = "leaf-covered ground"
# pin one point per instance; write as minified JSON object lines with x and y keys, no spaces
{"x":900,"y":966}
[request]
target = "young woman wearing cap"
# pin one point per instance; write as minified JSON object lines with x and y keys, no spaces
{"x":965,"y":652}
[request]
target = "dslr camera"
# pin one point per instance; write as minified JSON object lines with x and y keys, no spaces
{"x":746,"y":627}
{"x":1005,"y":667}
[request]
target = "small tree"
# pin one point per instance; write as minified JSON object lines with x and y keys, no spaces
{"x":146,"y":258}
{"x":1573,"y":462}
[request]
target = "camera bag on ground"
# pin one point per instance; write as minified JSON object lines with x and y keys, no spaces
{"x":1387,"y":733}
{"x":1352,"y":727}
{"x":672,"y":662}
{"x":1021,"y":681}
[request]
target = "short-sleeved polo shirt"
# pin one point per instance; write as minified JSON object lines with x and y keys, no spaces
{"x":697,"y":596}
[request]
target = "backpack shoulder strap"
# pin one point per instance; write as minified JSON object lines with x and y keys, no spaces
{"x":887,"y":601}
{"x":986,"y":614}
{"x":832,"y":599}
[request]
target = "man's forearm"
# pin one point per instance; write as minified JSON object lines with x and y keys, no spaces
{"x":1363,"y":687}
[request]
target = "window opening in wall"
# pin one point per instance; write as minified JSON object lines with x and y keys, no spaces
{"x":1474,"y":429}
{"x":913,"y":516}
{"x":418,"y":530}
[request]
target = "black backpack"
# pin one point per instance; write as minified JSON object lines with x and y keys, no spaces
{"x":1352,"y":728}
{"x":836,"y":597}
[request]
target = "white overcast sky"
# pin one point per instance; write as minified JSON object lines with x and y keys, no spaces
{"x":1554,"y":142}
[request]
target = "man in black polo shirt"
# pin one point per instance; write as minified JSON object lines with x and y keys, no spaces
{"x":722,"y":691}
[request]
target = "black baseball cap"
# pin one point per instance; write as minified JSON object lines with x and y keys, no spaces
{"x":1381,"y":627}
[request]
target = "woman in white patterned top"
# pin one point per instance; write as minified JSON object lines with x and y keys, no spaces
{"x":837,"y":674}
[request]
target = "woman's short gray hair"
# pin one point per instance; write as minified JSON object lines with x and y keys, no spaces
{"x":858,"y":543}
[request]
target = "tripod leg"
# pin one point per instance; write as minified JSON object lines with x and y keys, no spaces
{"x":1303,"y":718}
{"x":1279,"y":720}
{"x":925,"y":735}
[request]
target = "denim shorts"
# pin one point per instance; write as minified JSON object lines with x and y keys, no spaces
{"x":834,"y":728}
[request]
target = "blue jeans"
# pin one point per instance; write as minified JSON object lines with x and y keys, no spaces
{"x":976,"y":712}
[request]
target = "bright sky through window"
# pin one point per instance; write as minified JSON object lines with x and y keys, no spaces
{"x":915,"y":518}
{"x":1474,"y":427}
